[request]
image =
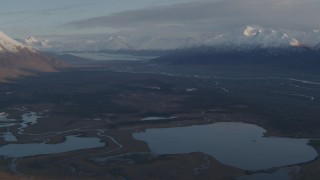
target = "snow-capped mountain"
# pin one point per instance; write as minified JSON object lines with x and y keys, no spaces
{"x":36,"y":43}
{"x":249,"y":36}
{"x":18,"y":59}
{"x":246,"y":37}
{"x":252,"y":45}
{"x":114,"y":42}
{"x":117,"y":43}
{"x":310,"y":39}
{"x":8,"y":45}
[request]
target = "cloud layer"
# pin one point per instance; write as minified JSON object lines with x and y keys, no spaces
{"x":208,"y":16}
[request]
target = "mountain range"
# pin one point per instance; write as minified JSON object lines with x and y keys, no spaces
{"x":250,"y":46}
{"x":246,"y":45}
{"x":17,"y":59}
{"x":249,"y":36}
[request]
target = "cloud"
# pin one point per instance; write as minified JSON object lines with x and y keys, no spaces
{"x":212,"y":16}
{"x":47,"y":10}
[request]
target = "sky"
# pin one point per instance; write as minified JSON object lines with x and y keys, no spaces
{"x":66,"y":18}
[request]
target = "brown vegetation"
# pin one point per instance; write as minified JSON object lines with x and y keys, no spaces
{"x":13,"y":65}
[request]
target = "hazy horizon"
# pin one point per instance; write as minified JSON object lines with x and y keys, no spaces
{"x":83,"y":18}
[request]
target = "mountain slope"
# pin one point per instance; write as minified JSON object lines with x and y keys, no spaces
{"x":8,"y":45}
{"x":17,"y":59}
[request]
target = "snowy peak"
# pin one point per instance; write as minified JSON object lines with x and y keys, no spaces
{"x":253,"y":36}
{"x":310,"y":39}
{"x":246,"y":37}
{"x":7,"y":44}
{"x":18,"y":59}
{"x":117,"y":43}
{"x":269,"y":37}
{"x":35,"y":43}
{"x":295,"y":43}
{"x":31,"y":40}
{"x":251,"y":31}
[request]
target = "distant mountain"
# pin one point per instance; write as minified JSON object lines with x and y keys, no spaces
{"x":248,"y":46}
{"x":112,"y":43}
{"x":310,"y":39}
{"x":248,"y":37}
{"x":36,"y":43}
{"x":251,"y":36}
{"x":117,"y":43}
{"x":18,"y":59}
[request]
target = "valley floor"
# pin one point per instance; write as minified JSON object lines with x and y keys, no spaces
{"x":109,"y":102}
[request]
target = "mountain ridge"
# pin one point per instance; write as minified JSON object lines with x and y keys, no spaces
{"x":17,"y":59}
{"x":253,"y":35}
{"x":8,"y":44}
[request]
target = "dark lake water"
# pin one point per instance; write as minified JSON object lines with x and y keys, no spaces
{"x":236,"y":144}
{"x":71,"y":143}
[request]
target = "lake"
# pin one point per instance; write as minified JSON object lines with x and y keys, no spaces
{"x":236,"y":144}
{"x":72,"y":143}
